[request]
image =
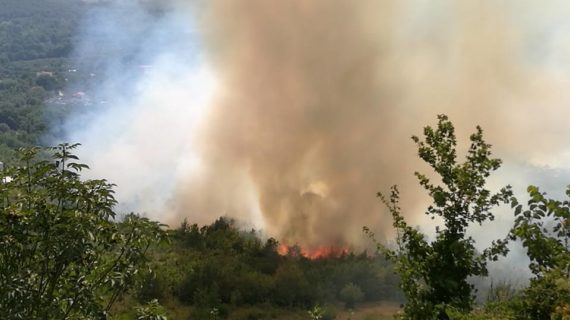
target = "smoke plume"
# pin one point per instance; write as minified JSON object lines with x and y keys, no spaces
{"x":293,"y":114}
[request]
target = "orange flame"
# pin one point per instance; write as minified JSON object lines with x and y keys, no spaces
{"x":283,"y":249}
{"x":322,"y":252}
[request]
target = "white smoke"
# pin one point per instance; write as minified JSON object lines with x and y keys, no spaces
{"x":155,"y":86}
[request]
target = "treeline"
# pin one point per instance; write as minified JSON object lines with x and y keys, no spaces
{"x":66,"y":254}
{"x":220,"y":267}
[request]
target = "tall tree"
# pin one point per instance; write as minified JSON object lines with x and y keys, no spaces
{"x":434,"y":273}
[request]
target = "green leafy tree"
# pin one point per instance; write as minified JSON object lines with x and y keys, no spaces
{"x":433,"y":275}
{"x":63,"y":253}
{"x":544,"y":229}
{"x":291,"y":286}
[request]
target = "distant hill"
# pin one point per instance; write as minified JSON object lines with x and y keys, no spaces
{"x":37,"y":66}
{"x":34,"y":29}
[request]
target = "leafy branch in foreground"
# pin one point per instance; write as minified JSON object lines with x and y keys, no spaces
{"x":62,"y":253}
{"x":544,"y":229}
{"x":434,"y":274}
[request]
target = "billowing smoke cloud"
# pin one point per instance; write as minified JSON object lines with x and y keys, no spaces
{"x":304,"y":113}
{"x":293,"y":114}
{"x":149,"y":91}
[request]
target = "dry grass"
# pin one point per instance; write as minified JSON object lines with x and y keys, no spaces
{"x":383,"y":311}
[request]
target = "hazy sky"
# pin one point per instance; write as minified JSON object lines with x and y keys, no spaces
{"x":291,"y":115}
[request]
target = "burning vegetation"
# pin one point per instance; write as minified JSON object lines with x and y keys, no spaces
{"x":323,"y":252}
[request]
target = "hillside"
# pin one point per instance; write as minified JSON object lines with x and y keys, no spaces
{"x":38,"y":29}
{"x":298,"y":133}
{"x":36,"y":39}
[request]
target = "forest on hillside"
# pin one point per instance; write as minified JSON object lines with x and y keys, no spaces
{"x":199,"y":268}
{"x":35,"y":45}
{"x":66,"y":253}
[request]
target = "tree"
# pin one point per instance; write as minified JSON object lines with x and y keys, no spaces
{"x":544,"y":229}
{"x":291,"y":286}
{"x":63,"y":252}
{"x":350,"y":295}
{"x":433,"y":275}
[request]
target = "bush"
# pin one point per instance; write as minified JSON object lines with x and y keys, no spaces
{"x":151,"y":311}
{"x":152,"y":287}
{"x":63,"y":253}
{"x":350,"y":295}
{"x":544,"y":229}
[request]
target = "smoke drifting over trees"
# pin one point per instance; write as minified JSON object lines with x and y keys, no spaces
{"x":293,"y":114}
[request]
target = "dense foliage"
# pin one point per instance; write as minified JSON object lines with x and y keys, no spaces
{"x":36,"y":39}
{"x":63,"y":254}
{"x":36,"y":29}
{"x":220,"y":267}
{"x":544,"y":229}
{"x":24,"y":88}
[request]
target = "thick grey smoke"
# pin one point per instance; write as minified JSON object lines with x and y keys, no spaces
{"x":293,"y":114}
